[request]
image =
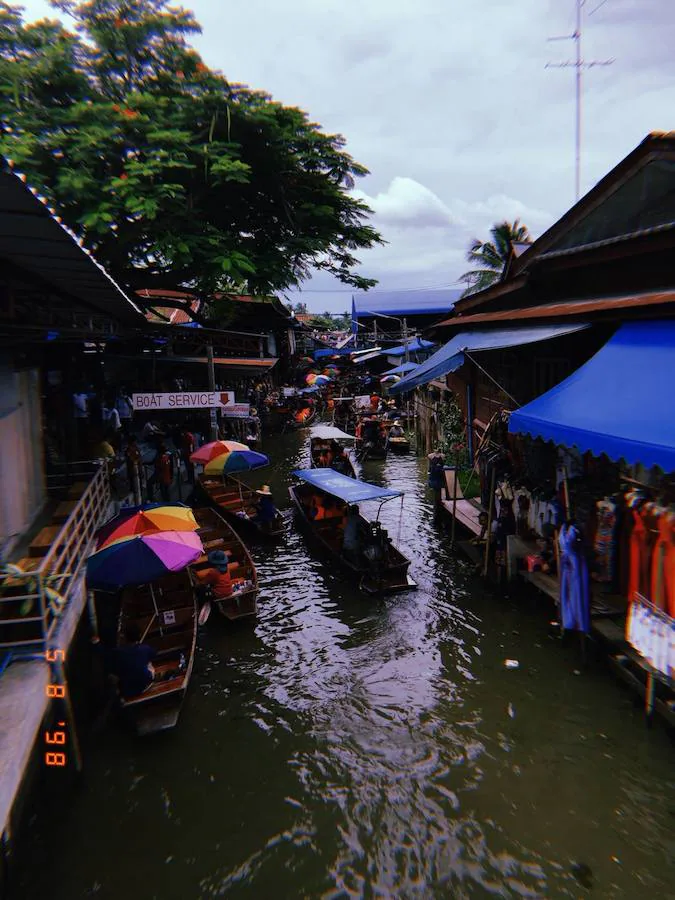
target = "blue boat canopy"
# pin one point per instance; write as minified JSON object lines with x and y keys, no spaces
{"x":621,"y":402}
{"x":451,"y":355}
{"x":413,"y":347}
{"x":403,"y":369}
{"x":342,"y":486}
{"x":403,"y":303}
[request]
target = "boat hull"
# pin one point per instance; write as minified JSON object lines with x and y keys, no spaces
{"x":234,"y":501}
{"x":166,"y":613}
{"x":217,"y":534}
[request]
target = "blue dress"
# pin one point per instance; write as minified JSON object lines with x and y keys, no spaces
{"x":575,"y":606}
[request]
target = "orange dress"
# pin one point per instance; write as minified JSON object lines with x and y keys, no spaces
{"x":638,"y":548}
{"x":663,"y":565}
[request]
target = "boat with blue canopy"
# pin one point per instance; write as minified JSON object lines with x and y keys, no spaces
{"x":327,"y":506}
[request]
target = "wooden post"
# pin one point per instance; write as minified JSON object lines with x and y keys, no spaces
{"x":454,"y":501}
{"x":212,"y":387}
{"x":649,"y":696}
{"x":488,"y":531}
{"x":93,"y":618}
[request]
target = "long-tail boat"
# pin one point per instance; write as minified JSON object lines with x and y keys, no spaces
{"x":165,"y":613}
{"x":326,"y":450}
{"x":322,"y":500}
{"x":217,"y":534}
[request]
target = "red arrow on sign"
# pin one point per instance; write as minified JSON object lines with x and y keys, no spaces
{"x":224,"y":399}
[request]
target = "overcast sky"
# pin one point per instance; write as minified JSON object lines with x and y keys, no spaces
{"x":450,"y":107}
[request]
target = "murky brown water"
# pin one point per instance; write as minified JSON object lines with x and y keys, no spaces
{"x":343,"y":747}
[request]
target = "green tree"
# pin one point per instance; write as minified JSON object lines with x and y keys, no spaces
{"x":490,"y":257}
{"x":175,"y":177}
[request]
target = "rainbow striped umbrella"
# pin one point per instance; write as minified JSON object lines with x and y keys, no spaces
{"x":142,"y":558}
{"x":311,"y":378}
{"x":321,"y":379}
{"x":214,"y":449}
{"x":236,"y":461}
{"x":149,"y":519}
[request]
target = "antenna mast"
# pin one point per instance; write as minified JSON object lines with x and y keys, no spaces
{"x":578,"y":64}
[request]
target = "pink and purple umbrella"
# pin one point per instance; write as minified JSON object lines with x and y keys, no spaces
{"x":142,"y":558}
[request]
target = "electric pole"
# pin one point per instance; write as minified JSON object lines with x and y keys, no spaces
{"x":579,"y":65}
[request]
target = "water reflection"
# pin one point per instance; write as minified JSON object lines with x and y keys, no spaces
{"x":351,"y":747}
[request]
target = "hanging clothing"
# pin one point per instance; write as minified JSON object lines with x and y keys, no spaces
{"x":605,"y":544}
{"x":638,"y":550}
{"x":575,"y":606}
{"x":662,"y":592}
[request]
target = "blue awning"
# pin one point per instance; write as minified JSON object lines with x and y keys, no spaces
{"x":403,"y":303}
{"x":332,"y":351}
{"x":413,"y":347}
{"x":621,"y":402}
{"x":348,"y":489}
{"x":451,"y":355}
{"x":402,"y":369}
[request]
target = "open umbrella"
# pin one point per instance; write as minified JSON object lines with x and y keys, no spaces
{"x":210,"y":451}
{"x":147,"y":519}
{"x":390,"y":379}
{"x":142,"y":558}
{"x":311,"y":378}
{"x":321,"y":379}
{"x":236,"y":461}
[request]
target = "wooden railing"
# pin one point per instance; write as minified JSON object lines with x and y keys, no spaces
{"x":51,"y":586}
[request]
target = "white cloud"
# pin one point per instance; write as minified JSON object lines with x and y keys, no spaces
{"x":407,"y":203}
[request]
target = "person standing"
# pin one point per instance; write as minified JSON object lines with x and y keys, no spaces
{"x":112,"y":423}
{"x":187,"y":448}
{"x":163,"y":473}
{"x":436,"y":475}
{"x":125,"y":408}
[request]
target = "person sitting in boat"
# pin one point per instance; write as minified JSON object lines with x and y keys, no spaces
{"x":316,"y":511}
{"x":371,"y":431}
{"x":392,"y":410}
{"x":341,"y":463}
{"x":217,"y":575}
{"x":131,"y":662}
{"x":351,"y":542}
{"x":265,"y":510}
{"x":396,"y":429}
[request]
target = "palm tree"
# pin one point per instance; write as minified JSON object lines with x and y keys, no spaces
{"x":491,"y":256}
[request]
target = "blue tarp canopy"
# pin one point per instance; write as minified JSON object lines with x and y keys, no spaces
{"x":402,"y":369}
{"x":403,"y":303}
{"x":348,"y":489}
{"x":332,"y":351}
{"x":451,"y":355}
{"x":621,"y":402}
{"x":413,"y":347}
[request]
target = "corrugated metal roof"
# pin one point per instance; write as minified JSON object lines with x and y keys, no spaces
{"x":568,"y":308}
{"x":34,"y":239}
{"x":405,"y":303}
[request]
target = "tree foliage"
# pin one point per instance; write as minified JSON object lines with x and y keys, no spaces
{"x":490,"y":257}
{"x":174,"y":176}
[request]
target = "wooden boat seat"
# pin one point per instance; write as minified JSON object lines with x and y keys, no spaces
{"x":156,"y":689}
{"x":42,"y":542}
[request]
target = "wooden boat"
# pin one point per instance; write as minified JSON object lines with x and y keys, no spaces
{"x":399,"y":445}
{"x":235,"y":501}
{"x":217,"y":534}
{"x":166,"y":614}
{"x":396,"y":444}
{"x":379,"y":567}
{"x":371,"y":439}
{"x":325,"y":450}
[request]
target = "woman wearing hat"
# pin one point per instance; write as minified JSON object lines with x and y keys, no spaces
{"x":217,"y":575}
{"x":265,"y":510}
{"x":396,"y":429}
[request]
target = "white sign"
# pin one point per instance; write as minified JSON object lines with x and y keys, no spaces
{"x":237,"y":411}
{"x":184,"y":400}
{"x":289,"y":392}
{"x":362,"y":401}
{"x":169,"y":617}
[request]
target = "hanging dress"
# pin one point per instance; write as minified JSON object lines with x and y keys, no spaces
{"x":663,"y":565}
{"x":605,"y":539}
{"x":637,"y":552}
{"x":575,"y":606}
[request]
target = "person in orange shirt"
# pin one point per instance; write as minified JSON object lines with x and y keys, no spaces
{"x":217,"y":575}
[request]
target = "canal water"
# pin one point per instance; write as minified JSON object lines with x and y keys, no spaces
{"x":349,"y":747}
